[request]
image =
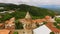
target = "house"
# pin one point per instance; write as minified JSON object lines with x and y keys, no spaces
{"x":49,"y":25}
{"x":11,"y":11}
{"x":1,"y":8}
{"x":58,"y":16}
{"x":30,"y":24}
{"x":52,"y":28}
{"x":2,"y":26}
{"x":8,"y":27}
{"x":40,"y":21}
{"x":9,"y":24}
{"x":49,"y":19}
{"x":4,"y":31}
{"x":42,"y":30}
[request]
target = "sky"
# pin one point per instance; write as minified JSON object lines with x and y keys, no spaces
{"x":32,"y":2}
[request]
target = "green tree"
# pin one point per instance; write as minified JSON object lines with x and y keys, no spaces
{"x":57,"y":20}
{"x":55,"y":24}
{"x":15,"y":32}
{"x":18,"y":25}
{"x":6,"y":17}
{"x":58,"y":27}
{"x":51,"y":32}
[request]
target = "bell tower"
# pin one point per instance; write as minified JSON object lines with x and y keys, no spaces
{"x":28,"y":16}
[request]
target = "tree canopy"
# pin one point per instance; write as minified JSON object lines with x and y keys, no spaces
{"x":20,"y":11}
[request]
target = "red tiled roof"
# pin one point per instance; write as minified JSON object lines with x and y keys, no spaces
{"x":34,"y":21}
{"x":49,"y":25}
{"x":47,"y":17}
{"x":10,"y":21}
{"x":4,"y":31}
{"x":39,"y":20}
{"x":1,"y":24}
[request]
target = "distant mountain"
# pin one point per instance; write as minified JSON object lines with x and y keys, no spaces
{"x":35,"y":12}
{"x":55,"y":8}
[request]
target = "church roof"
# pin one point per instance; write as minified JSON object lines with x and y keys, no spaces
{"x":27,"y":15}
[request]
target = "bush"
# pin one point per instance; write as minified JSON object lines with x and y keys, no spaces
{"x":51,"y":32}
{"x":55,"y":24}
{"x":57,"y":20}
{"x":44,"y":22}
{"x":58,"y":27}
{"x":15,"y":33}
{"x":18,"y":25}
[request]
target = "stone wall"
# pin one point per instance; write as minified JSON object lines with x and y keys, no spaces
{"x":23,"y":31}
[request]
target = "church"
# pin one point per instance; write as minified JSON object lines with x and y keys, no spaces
{"x":31,"y":25}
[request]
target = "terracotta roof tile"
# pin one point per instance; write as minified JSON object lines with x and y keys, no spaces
{"x":40,"y":20}
{"x":34,"y":21}
{"x":1,"y":24}
{"x":4,"y":31}
{"x":47,"y":17}
{"x":49,"y":25}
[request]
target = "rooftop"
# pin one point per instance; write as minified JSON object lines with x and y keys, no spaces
{"x":4,"y":31}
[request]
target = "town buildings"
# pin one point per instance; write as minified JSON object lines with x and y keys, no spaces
{"x":29,"y":24}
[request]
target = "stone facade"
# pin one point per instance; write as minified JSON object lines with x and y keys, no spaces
{"x":9,"y":24}
{"x":23,"y":31}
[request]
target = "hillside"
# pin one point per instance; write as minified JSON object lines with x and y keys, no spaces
{"x":55,"y":8}
{"x":20,"y":11}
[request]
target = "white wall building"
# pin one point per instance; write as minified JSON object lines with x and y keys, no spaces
{"x":42,"y":30}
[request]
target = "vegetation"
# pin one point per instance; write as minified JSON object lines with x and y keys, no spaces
{"x":20,"y":11}
{"x":57,"y":22}
{"x":58,"y":27}
{"x":51,"y":32}
{"x":37,"y":25}
{"x":15,"y":32}
{"x":18,"y":25}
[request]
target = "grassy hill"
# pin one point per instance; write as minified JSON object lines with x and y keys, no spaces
{"x":20,"y":11}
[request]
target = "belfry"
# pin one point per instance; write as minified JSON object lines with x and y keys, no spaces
{"x":28,"y":16}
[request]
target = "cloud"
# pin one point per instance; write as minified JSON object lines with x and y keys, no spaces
{"x":33,"y":2}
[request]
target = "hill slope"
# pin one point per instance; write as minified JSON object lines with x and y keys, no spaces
{"x":55,"y":8}
{"x":20,"y":11}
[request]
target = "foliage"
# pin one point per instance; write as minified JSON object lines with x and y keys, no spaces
{"x":51,"y":32}
{"x":58,"y":27}
{"x":57,"y":20}
{"x":37,"y":24}
{"x":44,"y":22}
{"x":18,"y":25}
{"x":55,"y":24}
{"x":20,"y":11}
{"x":15,"y":33}
{"x":6,"y":17}
{"x":18,"y":14}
